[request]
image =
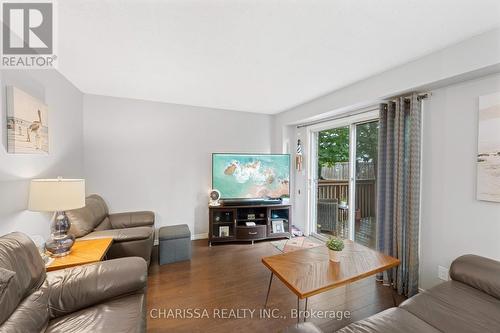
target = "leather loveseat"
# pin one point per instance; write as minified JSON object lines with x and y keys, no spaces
{"x":132,"y":233}
{"x":468,"y":303}
{"x":104,"y":297}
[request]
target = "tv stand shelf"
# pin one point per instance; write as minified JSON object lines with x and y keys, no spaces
{"x":229,"y":223}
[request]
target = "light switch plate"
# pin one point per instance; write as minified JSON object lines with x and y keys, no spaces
{"x":443,"y":273}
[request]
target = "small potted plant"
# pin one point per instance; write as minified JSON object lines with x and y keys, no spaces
{"x":343,"y":202}
{"x":335,"y":245}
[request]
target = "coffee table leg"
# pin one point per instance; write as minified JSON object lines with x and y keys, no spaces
{"x":298,"y":309}
{"x":305,"y":311}
{"x":269,"y":289}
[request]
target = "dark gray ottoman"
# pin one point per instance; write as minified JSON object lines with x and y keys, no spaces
{"x":175,"y":243}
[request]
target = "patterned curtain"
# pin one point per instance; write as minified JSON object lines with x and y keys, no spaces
{"x":398,"y":190}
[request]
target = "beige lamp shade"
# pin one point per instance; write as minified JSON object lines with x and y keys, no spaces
{"x":50,"y":195}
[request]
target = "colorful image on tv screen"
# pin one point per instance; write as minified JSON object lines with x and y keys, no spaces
{"x":251,"y":176}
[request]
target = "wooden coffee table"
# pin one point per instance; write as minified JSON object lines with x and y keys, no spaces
{"x":309,"y":272}
{"x":82,"y":252}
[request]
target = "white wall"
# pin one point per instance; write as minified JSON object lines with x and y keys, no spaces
{"x":65,"y":148}
{"x":453,"y":221}
{"x":154,"y":156}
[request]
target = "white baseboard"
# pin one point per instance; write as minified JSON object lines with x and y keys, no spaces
{"x":193,"y":237}
{"x":200,"y":236}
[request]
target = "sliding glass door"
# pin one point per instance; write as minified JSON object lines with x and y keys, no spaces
{"x":343,"y":195}
{"x":366,"y":183}
{"x":333,"y":182}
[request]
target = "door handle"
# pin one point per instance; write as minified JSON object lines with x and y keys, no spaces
{"x":252,"y":233}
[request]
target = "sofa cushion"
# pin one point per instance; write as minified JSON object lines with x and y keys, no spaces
{"x":478,"y":272}
{"x":31,"y":315}
{"x":124,"y":314}
{"x":122,"y":235}
{"x":393,"y":320}
{"x":456,"y":307}
{"x":174,"y":232}
{"x":86,"y":219}
{"x":304,"y":327}
{"x":83,"y":286}
{"x":5,"y":278}
{"x":137,"y":248}
{"x":132,"y":219}
{"x":104,"y":225}
{"x":19,"y":254}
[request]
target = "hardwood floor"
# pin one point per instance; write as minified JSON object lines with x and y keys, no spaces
{"x":231,"y":277}
{"x":364,"y":234}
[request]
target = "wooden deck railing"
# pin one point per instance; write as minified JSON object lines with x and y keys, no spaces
{"x":339,"y":189}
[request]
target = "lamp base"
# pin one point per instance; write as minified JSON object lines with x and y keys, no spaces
{"x":60,"y":243}
{"x":59,"y":247}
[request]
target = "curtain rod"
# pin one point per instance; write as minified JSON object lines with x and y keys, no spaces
{"x":341,"y":116}
{"x":420,"y":96}
{"x":424,"y":95}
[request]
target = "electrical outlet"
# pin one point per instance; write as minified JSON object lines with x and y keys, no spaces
{"x":443,"y":273}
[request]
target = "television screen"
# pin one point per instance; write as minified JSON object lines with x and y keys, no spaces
{"x":239,"y":176}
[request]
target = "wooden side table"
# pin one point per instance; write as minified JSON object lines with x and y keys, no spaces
{"x":82,"y":252}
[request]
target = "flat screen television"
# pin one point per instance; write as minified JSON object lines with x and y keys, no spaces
{"x":251,"y":176}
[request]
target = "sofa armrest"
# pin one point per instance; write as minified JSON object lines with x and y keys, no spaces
{"x":76,"y":288}
{"x":478,"y":272}
{"x":132,"y":219}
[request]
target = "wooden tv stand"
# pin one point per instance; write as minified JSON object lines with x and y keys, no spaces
{"x":229,"y":223}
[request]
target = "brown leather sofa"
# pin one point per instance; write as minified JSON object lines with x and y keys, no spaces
{"x":132,"y":233}
{"x":104,"y":297}
{"x":468,"y":303}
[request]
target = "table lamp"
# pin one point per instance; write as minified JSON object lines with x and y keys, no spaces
{"x":57,"y":195}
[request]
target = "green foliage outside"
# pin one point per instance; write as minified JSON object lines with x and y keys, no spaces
{"x":334,"y":144}
{"x":367,"y":142}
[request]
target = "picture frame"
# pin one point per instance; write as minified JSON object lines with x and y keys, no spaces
{"x":277,"y":226}
{"x":488,"y":150}
{"x":27,"y":123}
{"x":224,"y":231}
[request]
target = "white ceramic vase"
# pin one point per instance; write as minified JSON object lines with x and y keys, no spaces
{"x":334,"y":256}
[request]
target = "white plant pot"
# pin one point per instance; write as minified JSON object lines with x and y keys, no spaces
{"x":334,"y":256}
